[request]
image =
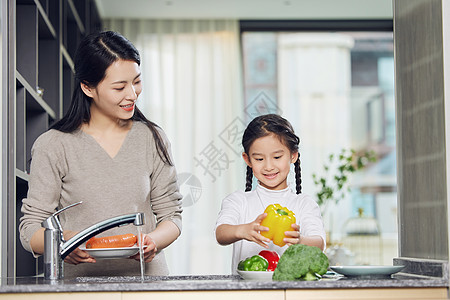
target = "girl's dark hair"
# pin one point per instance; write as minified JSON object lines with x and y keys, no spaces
{"x":93,"y":57}
{"x":272,"y":124}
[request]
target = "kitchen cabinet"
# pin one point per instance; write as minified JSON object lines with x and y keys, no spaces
{"x":372,"y":293}
{"x":315,"y":294}
{"x":42,"y":37}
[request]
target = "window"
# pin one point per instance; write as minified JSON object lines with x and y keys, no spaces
{"x":337,"y":90}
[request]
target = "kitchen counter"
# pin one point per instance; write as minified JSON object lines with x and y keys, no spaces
{"x":403,"y":285}
{"x":206,"y":282}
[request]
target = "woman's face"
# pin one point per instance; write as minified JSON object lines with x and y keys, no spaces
{"x":115,"y":96}
{"x":270,"y":161}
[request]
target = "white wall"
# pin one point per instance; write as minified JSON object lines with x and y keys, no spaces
{"x":248,"y":9}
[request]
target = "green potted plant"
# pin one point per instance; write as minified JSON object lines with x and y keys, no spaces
{"x":333,"y":184}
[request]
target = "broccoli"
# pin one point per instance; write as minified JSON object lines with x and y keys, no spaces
{"x":301,"y":262}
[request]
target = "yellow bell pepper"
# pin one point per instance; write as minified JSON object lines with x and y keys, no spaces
{"x":279,"y":219}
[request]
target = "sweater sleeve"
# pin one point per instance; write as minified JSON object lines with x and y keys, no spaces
{"x":44,"y":187}
{"x":164,"y":195}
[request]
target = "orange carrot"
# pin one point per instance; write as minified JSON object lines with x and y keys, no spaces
{"x":115,"y":241}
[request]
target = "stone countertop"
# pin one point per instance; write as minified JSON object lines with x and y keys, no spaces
{"x":417,"y":273}
{"x":206,"y":282}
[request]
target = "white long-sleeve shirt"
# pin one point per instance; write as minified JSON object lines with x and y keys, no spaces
{"x":243,"y":207}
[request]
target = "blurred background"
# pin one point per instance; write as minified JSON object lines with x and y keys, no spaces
{"x":209,"y":67}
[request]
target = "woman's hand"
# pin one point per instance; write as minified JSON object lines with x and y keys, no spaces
{"x":79,"y":256}
{"x":149,"y":251}
{"x":251,"y":231}
{"x":293,"y":237}
{"x":76,"y":256}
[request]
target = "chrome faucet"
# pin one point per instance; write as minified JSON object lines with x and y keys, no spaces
{"x":56,"y":248}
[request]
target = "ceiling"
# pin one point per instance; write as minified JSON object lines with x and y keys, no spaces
{"x":246,"y":9}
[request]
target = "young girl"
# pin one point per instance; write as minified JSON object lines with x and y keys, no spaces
{"x":106,"y":153}
{"x":270,"y":146}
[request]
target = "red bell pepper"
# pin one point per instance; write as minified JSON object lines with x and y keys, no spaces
{"x":272,"y":257}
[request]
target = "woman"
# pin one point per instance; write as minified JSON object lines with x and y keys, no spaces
{"x":105,"y":153}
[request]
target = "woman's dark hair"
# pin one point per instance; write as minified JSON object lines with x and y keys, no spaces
{"x":94,"y":55}
{"x":272,"y":124}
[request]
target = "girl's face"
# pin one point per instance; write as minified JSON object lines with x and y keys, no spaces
{"x":270,"y":161}
{"x":115,"y":96}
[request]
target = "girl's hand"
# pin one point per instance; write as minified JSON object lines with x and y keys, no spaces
{"x":251,"y":231}
{"x":77,"y":256}
{"x":293,"y":237}
{"x":149,"y":251}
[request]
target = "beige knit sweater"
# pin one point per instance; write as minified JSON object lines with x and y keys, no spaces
{"x":72,"y":167}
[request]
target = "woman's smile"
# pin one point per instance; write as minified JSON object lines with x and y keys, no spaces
{"x":128,"y":107}
{"x":120,"y":88}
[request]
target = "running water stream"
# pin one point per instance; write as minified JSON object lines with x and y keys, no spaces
{"x":141,"y":251}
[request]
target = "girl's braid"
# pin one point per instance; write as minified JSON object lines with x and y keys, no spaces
{"x":249,"y":179}
{"x":298,"y":175}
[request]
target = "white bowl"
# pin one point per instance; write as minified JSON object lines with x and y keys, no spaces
{"x":256,"y":275}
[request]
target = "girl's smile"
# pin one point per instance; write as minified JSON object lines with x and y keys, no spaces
{"x":271,"y":176}
{"x":270,"y":161}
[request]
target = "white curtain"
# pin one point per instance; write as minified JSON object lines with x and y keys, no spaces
{"x":192,"y":88}
{"x":315,"y":95}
